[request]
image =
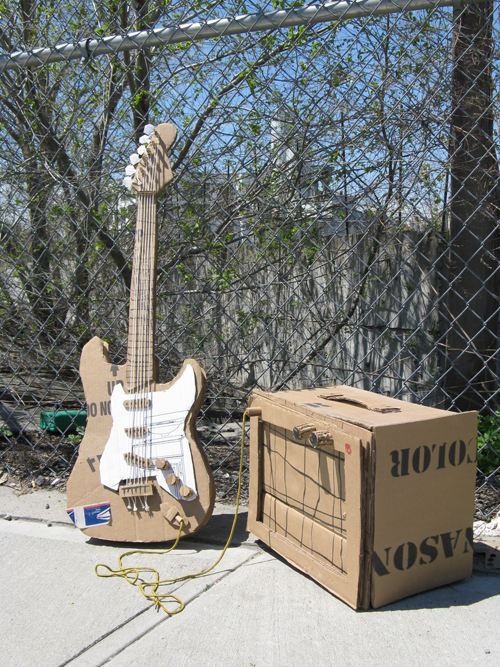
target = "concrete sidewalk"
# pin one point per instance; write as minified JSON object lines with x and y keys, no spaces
{"x":252,"y":610}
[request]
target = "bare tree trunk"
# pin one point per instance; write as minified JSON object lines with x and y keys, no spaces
{"x":472,"y":305}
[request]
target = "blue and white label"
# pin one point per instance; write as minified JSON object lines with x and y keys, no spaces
{"x":90,"y":515}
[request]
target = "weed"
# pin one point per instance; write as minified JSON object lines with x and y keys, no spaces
{"x":488,"y":443}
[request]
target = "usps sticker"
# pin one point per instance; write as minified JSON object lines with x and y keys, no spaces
{"x":90,"y":515}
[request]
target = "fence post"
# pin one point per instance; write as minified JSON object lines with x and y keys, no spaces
{"x":472,"y":300}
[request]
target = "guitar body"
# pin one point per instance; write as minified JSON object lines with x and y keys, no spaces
{"x":171,"y":423}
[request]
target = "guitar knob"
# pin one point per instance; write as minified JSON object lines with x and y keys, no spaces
{"x":186,"y":492}
{"x":172,"y":480}
{"x":162,"y":464}
{"x":172,"y":515}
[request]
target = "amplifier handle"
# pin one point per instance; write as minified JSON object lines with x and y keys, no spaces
{"x":354,"y":401}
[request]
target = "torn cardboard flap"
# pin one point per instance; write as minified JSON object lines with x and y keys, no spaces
{"x":491,"y":551}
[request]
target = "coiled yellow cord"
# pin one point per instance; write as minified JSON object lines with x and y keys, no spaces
{"x":153,"y":595}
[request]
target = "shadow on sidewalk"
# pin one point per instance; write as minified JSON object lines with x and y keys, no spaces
{"x":463,"y":593}
{"x":481,"y":586}
{"x":216,"y":533}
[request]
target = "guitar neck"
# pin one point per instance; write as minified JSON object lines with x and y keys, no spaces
{"x":141,"y":374}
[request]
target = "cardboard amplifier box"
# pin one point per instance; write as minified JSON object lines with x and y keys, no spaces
{"x":370,"y":496}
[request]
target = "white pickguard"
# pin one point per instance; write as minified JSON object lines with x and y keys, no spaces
{"x":165,"y":438}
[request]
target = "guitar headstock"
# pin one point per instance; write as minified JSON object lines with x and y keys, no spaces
{"x":149,"y":170}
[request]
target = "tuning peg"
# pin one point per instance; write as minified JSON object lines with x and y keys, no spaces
{"x":141,"y":150}
{"x":130,"y":170}
{"x":149,"y":129}
{"x":144,"y":139}
{"x":127,"y":182}
{"x":134,"y":158}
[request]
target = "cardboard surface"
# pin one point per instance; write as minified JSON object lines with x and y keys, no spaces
{"x":298,"y":501}
{"x":424,"y":505}
{"x":384,"y":510}
{"x":85,"y":487}
{"x":141,"y":458}
{"x":310,"y":480}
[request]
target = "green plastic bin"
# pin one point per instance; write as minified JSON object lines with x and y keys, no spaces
{"x":63,"y":421}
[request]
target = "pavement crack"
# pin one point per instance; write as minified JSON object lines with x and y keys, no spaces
{"x":29,"y":519}
{"x":224,"y":574}
{"x":103,"y":637}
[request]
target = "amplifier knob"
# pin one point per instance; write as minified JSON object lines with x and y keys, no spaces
{"x":303,"y":431}
{"x":321,"y":439}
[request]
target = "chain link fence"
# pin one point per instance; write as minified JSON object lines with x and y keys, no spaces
{"x":333,"y":217}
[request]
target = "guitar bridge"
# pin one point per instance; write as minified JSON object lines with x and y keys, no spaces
{"x":139,"y":461}
{"x":133,"y":490}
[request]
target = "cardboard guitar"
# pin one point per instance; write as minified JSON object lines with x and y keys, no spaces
{"x":141,"y":468}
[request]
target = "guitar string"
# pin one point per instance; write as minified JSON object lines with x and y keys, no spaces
{"x":135,"y":343}
{"x":130,"y":355}
{"x":141,"y":367}
{"x":140,"y":315}
{"x":144,"y":321}
{"x":147,"y":342}
{"x":132,"y":343}
{"x":140,"y":329}
{"x":145,"y":328}
{"x":152,"y":283}
{"x":146,"y":315}
{"x":148,"y":346}
{"x":133,"y":373}
{"x":149,"y":351}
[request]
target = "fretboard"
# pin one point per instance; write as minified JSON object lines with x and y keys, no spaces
{"x":141,"y":329}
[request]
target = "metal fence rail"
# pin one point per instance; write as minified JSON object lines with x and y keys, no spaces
{"x":221,"y":27}
{"x":333,"y":217}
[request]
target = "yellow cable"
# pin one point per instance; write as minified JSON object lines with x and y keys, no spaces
{"x":153,"y":595}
